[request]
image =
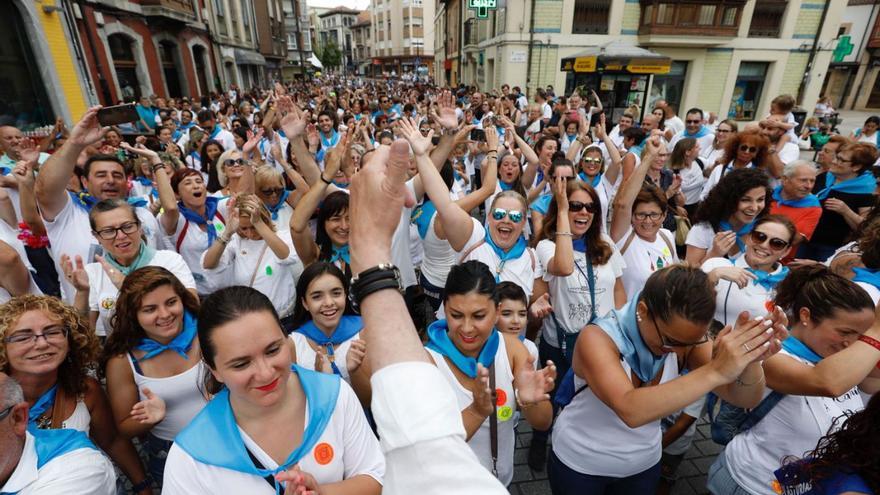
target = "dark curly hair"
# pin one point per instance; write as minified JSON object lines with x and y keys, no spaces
{"x":127,"y":331}
{"x":723,"y":200}
{"x":752,"y":138}
{"x":854,"y":448}
{"x":82,"y":353}
{"x":599,"y":250}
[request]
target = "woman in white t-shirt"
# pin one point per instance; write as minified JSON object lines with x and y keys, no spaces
{"x":683,"y":163}
{"x":251,"y":253}
{"x":326,"y":329}
{"x":269,"y":187}
{"x":271,"y":423}
{"x":593,"y":171}
{"x":747,"y":283}
{"x":476,"y":359}
{"x":636,"y":226}
{"x":713,"y":155}
{"x":832,"y":351}
{"x":152,"y":363}
{"x":118,"y":231}
{"x":626,"y":378}
{"x":727,"y":215}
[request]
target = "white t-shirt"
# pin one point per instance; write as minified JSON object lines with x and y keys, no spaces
{"x":675,"y":123}
{"x":643,"y":258}
{"x":789,"y":153}
{"x":546,"y":111}
{"x":570,"y":296}
{"x":244,"y":260}
{"x":77,"y":472}
{"x":193,"y":245}
{"x":710,"y":155}
{"x":791,"y":428}
{"x":355,"y":451}
{"x":522,"y":271}
{"x":705,"y":141}
{"x":306,"y":355}
{"x":103,"y":294}
{"x":692,"y":180}
{"x":730,"y":300}
{"x":872,"y":291}
{"x":70,"y":233}
{"x":701,"y":236}
{"x":10,"y":236}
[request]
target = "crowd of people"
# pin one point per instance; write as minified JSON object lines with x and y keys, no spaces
{"x":349,"y":286}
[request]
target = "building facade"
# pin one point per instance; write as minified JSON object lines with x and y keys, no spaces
{"x":447,"y":40}
{"x":299,"y":38}
{"x":730,"y":57}
{"x":271,"y":37}
{"x":403,"y":33}
{"x":237,"y":56}
{"x":334,"y":29}
{"x":852,"y":82}
{"x":362,"y":43}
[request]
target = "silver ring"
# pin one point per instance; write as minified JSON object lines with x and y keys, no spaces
{"x":746,"y":347}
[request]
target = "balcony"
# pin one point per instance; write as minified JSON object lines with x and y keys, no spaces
{"x":174,"y":10}
{"x":874,"y":39}
{"x":689,"y":22}
{"x":470,"y":32}
{"x":767,"y":18}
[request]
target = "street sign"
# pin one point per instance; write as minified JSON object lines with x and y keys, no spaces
{"x":482,"y":7}
{"x":844,"y":48}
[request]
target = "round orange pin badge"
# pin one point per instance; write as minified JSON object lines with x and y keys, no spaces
{"x":323,"y":453}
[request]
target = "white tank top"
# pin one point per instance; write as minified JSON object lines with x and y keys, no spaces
{"x":181,"y":393}
{"x":80,"y":419}
{"x":480,"y":443}
{"x":305,"y":355}
{"x":590,"y":438}
{"x":439,"y":257}
{"x":792,"y":427}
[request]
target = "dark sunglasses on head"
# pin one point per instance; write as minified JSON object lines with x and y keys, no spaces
{"x":269,"y":192}
{"x":776,"y":243}
{"x":750,"y":149}
{"x":235,"y":162}
{"x":515,"y":216}
{"x":576,"y":206}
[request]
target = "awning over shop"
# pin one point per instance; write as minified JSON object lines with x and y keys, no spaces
{"x":248,"y":57}
{"x":617,"y":57}
{"x":315,"y":62}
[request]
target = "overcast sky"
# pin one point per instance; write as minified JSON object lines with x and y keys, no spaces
{"x":355,"y":4}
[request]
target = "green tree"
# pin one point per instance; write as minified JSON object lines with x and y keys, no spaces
{"x":329,"y":55}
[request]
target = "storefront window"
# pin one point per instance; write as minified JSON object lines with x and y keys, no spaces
{"x":669,"y":86}
{"x":23,"y":100}
{"x":747,"y":92}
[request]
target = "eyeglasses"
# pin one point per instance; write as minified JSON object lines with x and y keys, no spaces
{"x":592,"y":160}
{"x":642,"y":216}
{"x":515,"y":216}
{"x":109,"y":233}
{"x":838,"y":159}
{"x":670,"y":342}
{"x":6,"y":412}
{"x":576,"y":206}
{"x":718,"y":131}
{"x":51,"y":334}
{"x":693,"y":121}
{"x":235,"y":162}
{"x":776,"y":243}
{"x":275,"y":191}
{"x":750,"y":149}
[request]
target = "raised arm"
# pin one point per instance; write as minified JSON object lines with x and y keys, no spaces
{"x":613,"y":170}
{"x":51,"y":185}
{"x":303,"y":242}
{"x":445,"y":116}
{"x":528,"y":176}
{"x":562,"y":262}
{"x":26,"y":177}
{"x":623,"y":202}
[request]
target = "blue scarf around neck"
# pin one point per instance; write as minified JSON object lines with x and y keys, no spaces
{"x":86,"y":201}
{"x":213,"y":436}
{"x":211,"y":205}
{"x":593,"y":182}
{"x":340,"y":253}
{"x":51,"y":444}
{"x":809,"y":201}
{"x":422,"y":215}
{"x":702,"y":132}
{"x":769,"y":280}
{"x":43,"y":404}
{"x":867,"y":275}
{"x":863,"y":183}
{"x":793,"y":345}
{"x":346,"y":329}
{"x":542,"y":204}
{"x":144,"y":257}
{"x":725,"y":225}
{"x":273,"y":209}
{"x":180,"y":344}
{"x":623,"y":328}
{"x":517,"y":250}
{"x":504,"y":185}
{"x":438,"y":341}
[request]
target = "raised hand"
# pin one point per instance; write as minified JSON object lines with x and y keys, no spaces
{"x":533,"y":386}
{"x":141,"y":150}
{"x":27,"y":151}
{"x":149,"y":411}
{"x":541,"y":307}
{"x":491,"y":138}
{"x":599,"y":129}
{"x":88,"y":130}
{"x":484,"y":402}
{"x":115,"y":276}
{"x":294,"y":123}
{"x":356,"y":354}
{"x":736,"y":347}
{"x":560,"y":194}
{"x":75,"y":273}
{"x":445,"y":114}
{"x":723,"y":242}
{"x":333,"y":156}
{"x":24,"y":173}
{"x":409,"y":130}
{"x":252,"y":141}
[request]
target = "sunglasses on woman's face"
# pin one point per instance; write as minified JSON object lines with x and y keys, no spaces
{"x":595,"y":161}
{"x":576,"y":206}
{"x":269,"y":192}
{"x":235,"y":162}
{"x":776,"y":243}
{"x":747,"y":148}
{"x":515,"y":216}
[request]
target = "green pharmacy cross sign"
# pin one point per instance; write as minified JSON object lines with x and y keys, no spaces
{"x":844,"y":48}
{"x":482,"y":7}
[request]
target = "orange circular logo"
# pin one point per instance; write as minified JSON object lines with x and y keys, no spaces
{"x":770,"y":305}
{"x":323,"y":453}
{"x":500,"y":397}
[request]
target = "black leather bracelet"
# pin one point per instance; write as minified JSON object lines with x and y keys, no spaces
{"x":325,"y":181}
{"x":384,"y":276}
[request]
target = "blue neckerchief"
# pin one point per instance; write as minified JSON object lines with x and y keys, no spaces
{"x":180,"y":344}
{"x":144,"y":257}
{"x":725,"y":225}
{"x":176,"y":135}
{"x":213,"y":437}
{"x":540,"y":176}
{"x":346,"y":329}
{"x":637,"y":149}
{"x":794,"y":346}
{"x":456,"y":175}
{"x":215,"y":131}
{"x":211,"y":205}
{"x":273,"y":209}
{"x":43,"y":403}
{"x":580,"y":244}
{"x":86,"y":201}
{"x":341,"y":253}
{"x":438,"y":341}
{"x":702,"y":132}
{"x":154,"y":192}
{"x":622,"y":327}
{"x":138,"y":202}
{"x":768,"y":280}
{"x":542,"y":204}
{"x":571,"y":137}
{"x":858,"y":133}
{"x":864,"y":183}
{"x":327,"y":143}
{"x":868,"y":276}
{"x":504,"y":185}
{"x":144,"y":181}
{"x":341,"y":185}
{"x":809,"y":201}
{"x":421,"y":217}
{"x":5,"y":170}
{"x":51,"y":444}
{"x":196,"y":157}
{"x":515,"y":252}
{"x":593,"y":182}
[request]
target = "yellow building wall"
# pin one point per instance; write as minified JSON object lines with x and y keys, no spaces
{"x":630,"y":24}
{"x":548,"y":16}
{"x":63,"y":63}
{"x":545,"y":67}
{"x":809,"y":17}
{"x":715,"y":68}
{"x":794,"y":70}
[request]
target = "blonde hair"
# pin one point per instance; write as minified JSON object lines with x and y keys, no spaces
{"x":221,"y":173}
{"x":265,"y":216}
{"x":511,"y":194}
{"x":266,"y":174}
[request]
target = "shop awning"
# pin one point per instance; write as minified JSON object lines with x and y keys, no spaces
{"x":617,"y":57}
{"x":248,"y":57}
{"x":315,"y":62}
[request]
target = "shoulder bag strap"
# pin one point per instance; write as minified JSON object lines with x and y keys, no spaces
{"x":259,"y":465}
{"x":592,"y":285}
{"x":469,"y":250}
{"x":182,"y":235}
{"x":629,"y":241}
{"x":58,"y":408}
{"x":493,"y":422}
{"x":259,"y":260}
{"x":667,"y":241}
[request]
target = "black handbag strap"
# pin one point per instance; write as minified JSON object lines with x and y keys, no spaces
{"x":259,"y":465}
{"x":493,"y":421}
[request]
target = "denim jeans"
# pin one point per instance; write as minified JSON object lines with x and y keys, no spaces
{"x":566,"y":481}
{"x":720,"y":482}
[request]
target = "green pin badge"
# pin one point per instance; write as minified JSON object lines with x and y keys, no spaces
{"x":269,"y":271}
